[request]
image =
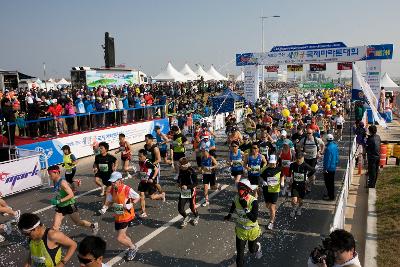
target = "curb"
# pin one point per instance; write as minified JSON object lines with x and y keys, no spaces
{"x":371,"y":243}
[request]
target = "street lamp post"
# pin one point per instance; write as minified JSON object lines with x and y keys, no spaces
{"x":262,"y":43}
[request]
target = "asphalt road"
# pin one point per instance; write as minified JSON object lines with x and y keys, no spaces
{"x":163,"y":243}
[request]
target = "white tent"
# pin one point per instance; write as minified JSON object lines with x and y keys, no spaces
{"x":388,"y":83}
{"x":240,"y":77}
{"x":170,"y":74}
{"x":202,"y":73}
{"x":188,"y":73}
{"x":63,"y":82}
{"x":217,"y":76}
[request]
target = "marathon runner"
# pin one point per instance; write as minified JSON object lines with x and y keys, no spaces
{"x":245,"y":147}
{"x":285,"y":158}
{"x":162,"y":141}
{"x":236,"y":161}
{"x":273,"y":181}
{"x":208,"y":166}
{"x":122,"y":199}
{"x":148,"y":176}
{"x":253,"y":163}
{"x":299,"y":171}
{"x":155,"y":157}
{"x":69,"y":164}
{"x":178,"y":148}
{"x":187,"y":182}
{"x":247,"y":228}
{"x":5,"y":209}
{"x":104,"y":165}
{"x":45,"y":244}
{"x":249,"y":127}
{"x":65,"y":202}
{"x":126,"y":154}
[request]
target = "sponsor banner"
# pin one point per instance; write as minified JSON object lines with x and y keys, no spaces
{"x":318,"y":67}
{"x":219,"y":122}
{"x":294,"y":67}
{"x":96,"y":78}
{"x":81,"y":144}
{"x":272,"y":68}
{"x":345,"y":65}
{"x":308,"y":46}
{"x":19,"y":175}
{"x":384,"y":51}
{"x":317,"y":85}
{"x":245,"y":59}
{"x":251,"y":88}
{"x":373,"y":77}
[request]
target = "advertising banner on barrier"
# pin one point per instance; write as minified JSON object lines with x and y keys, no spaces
{"x":345,"y":65}
{"x":81,"y":144}
{"x":272,"y":68}
{"x":19,"y":175}
{"x":318,"y":67}
{"x":251,"y":88}
{"x":294,"y":67}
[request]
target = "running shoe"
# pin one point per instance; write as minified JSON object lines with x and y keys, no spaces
{"x":103,"y":191}
{"x":163,"y":196}
{"x":196,"y":220}
{"x":185,"y":221}
{"x":270,"y":226}
{"x":7,"y":228}
{"x":298,"y":212}
{"x":205,"y":204}
{"x":2,"y":238}
{"x":129,"y":176}
{"x":176,"y":177}
{"x":258,"y":252}
{"x":143,"y":215}
{"x":17,"y":215}
{"x":293,"y":213}
{"x":131,"y":253}
{"x":95,"y":228}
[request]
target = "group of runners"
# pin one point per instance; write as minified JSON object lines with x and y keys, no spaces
{"x":276,"y":156}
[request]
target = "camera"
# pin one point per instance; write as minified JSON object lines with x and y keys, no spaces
{"x":323,"y":252}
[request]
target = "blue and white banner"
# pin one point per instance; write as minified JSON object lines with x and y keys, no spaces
{"x":82,"y":144}
{"x":308,"y":46}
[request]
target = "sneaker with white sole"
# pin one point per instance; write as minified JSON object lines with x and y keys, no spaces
{"x":131,"y":253}
{"x":185,"y":221}
{"x":129,"y":176}
{"x":270,"y":225}
{"x":143,"y":215}
{"x":7,"y":228}
{"x":163,"y":197}
{"x":298,"y":212}
{"x":205,"y":204}
{"x":293,"y":213}
{"x":258,"y":252}
{"x":95,"y":228}
{"x":196,"y":220}
{"x":2,"y":238}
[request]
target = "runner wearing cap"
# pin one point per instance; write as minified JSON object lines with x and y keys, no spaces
{"x":104,"y":164}
{"x":126,"y":154}
{"x":247,"y":228}
{"x":285,"y":158}
{"x":273,"y":181}
{"x":253,"y":163}
{"x":299,"y":171}
{"x":236,"y":161}
{"x":45,"y":244}
{"x":208,"y":143}
{"x":283,"y":138}
{"x":208,"y":166}
{"x":69,"y":164}
{"x":122,"y":199}
{"x":331,"y":160}
{"x":187,"y":182}
{"x":65,"y":201}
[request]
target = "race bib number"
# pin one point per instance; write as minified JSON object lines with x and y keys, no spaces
{"x":207,"y":170}
{"x":118,"y":209}
{"x":236,"y":163}
{"x":68,"y":171}
{"x":255,"y":169}
{"x":103,"y":167}
{"x":298,"y":177}
{"x":286,"y":163}
{"x":38,"y":261}
{"x":186,"y":193}
{"x":264,"y":150}
{"x":143,"y":176}
{"x":272,"y":181}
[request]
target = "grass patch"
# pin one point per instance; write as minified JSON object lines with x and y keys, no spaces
{"x":388,"y":212}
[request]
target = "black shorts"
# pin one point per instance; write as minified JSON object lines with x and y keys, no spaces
{"x":213,"y":153}
{"x":67,"y":209}
{"x":198,"y":161}
{"x":339,"y":127}
{"x":254,"y":180}
{"x":209,"y":179}
{"x":269,"y":197}
{"x":163,"y":153}
{"x":178,"y":156}
{"x":311,"y":162}
{"x":148,"y":188}
{"x":69,"y":177}
{"x":235,"y":173}
{"x":299,"y":191}
{"x":121,"y":225}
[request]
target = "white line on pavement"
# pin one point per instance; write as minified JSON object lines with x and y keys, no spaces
{"x":159,"y":230}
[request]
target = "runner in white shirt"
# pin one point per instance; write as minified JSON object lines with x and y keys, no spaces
{"x":339,"y":121}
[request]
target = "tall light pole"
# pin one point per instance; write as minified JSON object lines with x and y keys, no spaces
{"x":262,"y":43}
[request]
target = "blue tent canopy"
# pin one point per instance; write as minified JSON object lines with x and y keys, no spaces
{"x":226,"y":101}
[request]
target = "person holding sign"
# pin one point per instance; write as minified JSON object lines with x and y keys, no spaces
{"x":187,"y":182}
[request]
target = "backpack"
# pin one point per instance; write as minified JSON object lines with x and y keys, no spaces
{"x":315,"y":141}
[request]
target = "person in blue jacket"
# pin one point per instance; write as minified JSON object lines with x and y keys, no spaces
{"x":89,"y":107}
{"x":331,"y":160}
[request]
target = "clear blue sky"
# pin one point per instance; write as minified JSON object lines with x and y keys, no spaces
{"x":149,"y":33}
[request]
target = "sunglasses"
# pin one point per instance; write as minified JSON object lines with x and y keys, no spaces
{"x":84,"y":260}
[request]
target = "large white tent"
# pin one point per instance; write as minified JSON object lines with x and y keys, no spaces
{"x":216,"y":75}
{"x":388,"y":83}
{"x":170,"y":74}
{"x":189,"y":73}
{"x":63,"y":82}
{"x":202,"y":73}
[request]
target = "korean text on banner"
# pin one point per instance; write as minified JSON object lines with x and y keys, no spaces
{"x":345,"y":65}
{"x":318,"y":67}
{"x":272,"y":68}
{"x":251,"y":88}
{"x":373,"y":78}
{"x":294,"y":67}
{"x":19,"y":175}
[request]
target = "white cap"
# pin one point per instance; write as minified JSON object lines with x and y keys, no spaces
{"x":115,"y":176}
{"x":79,"y":96}
{"x":54,"y":100}
{"x":329,"y":137}
{"x":272,"y":159}
{"x":247,"y":183}
{"x":284,"y":133}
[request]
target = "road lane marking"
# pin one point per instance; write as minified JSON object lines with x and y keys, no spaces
{"x":161,"y":229}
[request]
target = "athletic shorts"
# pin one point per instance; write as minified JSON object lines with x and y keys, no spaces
{"x":67,"y":209}
{"x":311,"y":162}
{"x":69,"y":177}
{"x":121,"y":225}
{"x":254,"y":180}
{"x":104,"y":180}
{"x":198,"y":161}
{"x":269,"y":197}
{"x":299,"y":191}
{"x":148,"y":188}
{"x":178,"y":156}
{"x":126,"y":157}
{"x":209,"y":179}
{"x":339,"y":127}
{"x":235,"y":173}
{"x":213,"y":153}
{"x":163,"y":153}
